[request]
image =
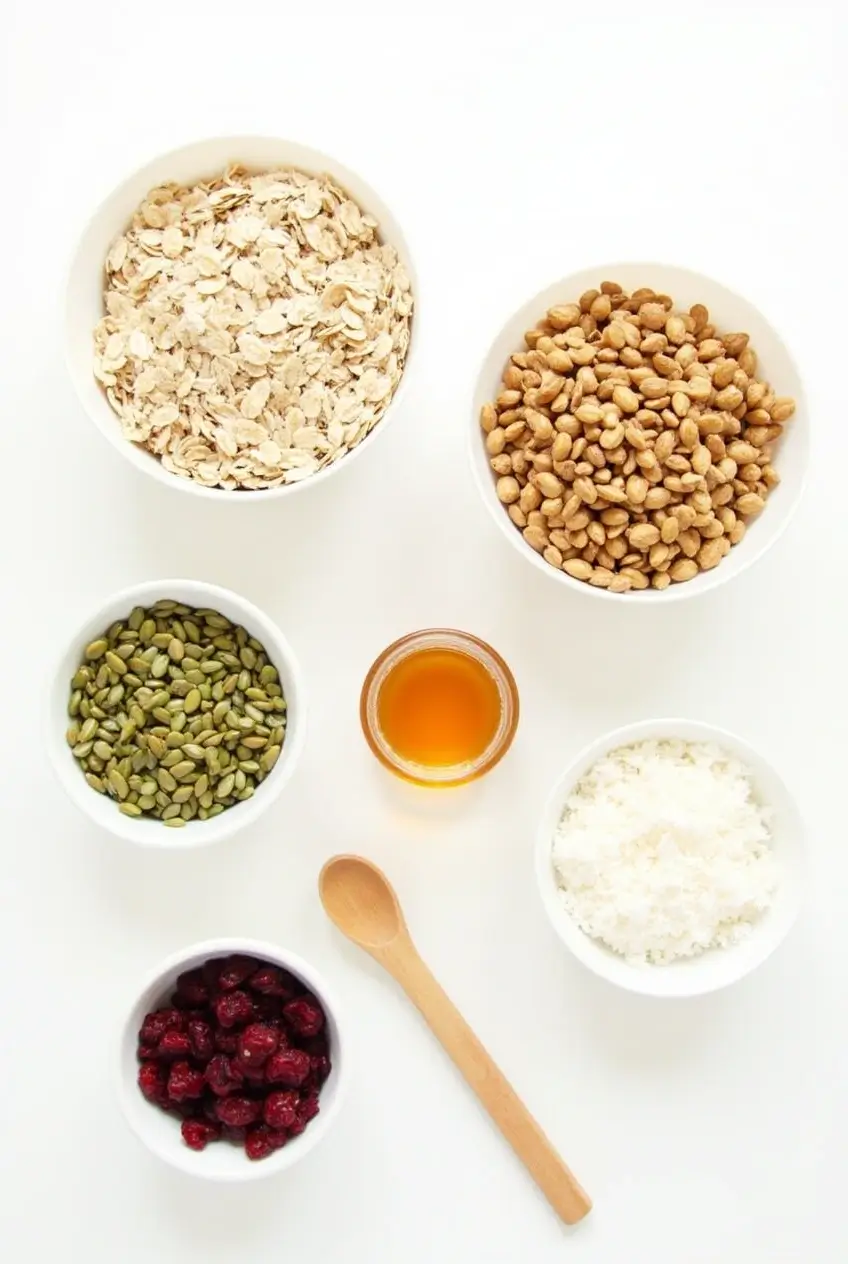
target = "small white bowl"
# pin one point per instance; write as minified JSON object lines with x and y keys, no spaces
{"x":84,"y":293}
{"x":730,"y":312}
{"x":147,"y":831}
{"x":160,"y":1132}
{"x":718,"y":967}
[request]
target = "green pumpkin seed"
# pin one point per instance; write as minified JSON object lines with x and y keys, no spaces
{"x":95,"y":783}
{"x":174,"y":740}
{"x":147,"y":802}
{"x":182,"y":794}
{"x":130,"y":809}
{"x":225,"y":786}
{"x":103,"y":750}
{"x":269,"y":758}
{"x":115,"y":663}
{"x":174,"y":821}
{"x":96,"y":649}
{"x":118,"y":783}
{"x":192,"y":701}
{"x":166,"y":781}
{"x":182,"y":769}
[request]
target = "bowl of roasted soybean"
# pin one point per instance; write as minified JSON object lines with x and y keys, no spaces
{"x":639,"y":432}
{"x":176,"y":714}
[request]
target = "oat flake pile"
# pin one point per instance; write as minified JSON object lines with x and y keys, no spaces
{"x":256,"y":327}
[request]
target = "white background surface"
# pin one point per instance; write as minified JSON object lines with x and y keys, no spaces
{"x":516,"y":145}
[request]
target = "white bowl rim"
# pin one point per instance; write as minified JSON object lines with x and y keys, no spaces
{"x":311,"y":159}
{"x":220,"y":827}
{"x":180,"y":1156}
{"x":672,"y":981}
{"x":707,"y":581}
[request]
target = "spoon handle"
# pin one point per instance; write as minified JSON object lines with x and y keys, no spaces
{"x":563,"y":1192}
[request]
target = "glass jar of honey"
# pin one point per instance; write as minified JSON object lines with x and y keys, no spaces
{"x":439,"y":707}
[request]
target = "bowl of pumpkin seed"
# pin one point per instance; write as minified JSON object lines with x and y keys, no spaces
{"x":176,"y":714}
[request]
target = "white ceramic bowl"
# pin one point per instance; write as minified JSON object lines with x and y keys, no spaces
{"x":730,"y":312}
{"x":718,"y":967}
{"x":84,"y":296}
{"x":221,"y":1161}
{"x":149,"y":832}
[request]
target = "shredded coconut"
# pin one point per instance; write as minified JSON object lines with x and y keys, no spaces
{"x":663,"y":851}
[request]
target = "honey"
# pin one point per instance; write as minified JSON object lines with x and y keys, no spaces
{"x":439,"y":707}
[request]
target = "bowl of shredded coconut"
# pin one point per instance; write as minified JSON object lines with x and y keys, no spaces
{"x":239,"y":317}
{"x":670,"y":858}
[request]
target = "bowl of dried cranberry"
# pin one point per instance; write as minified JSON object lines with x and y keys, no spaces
{"x":231,"y":1060}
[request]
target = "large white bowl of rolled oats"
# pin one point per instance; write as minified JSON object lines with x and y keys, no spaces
{"x":239,"y":316}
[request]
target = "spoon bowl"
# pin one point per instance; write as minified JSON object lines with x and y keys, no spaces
{"x":359,"y":899}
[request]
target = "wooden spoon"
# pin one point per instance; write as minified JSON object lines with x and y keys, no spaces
{"x":362,"y":903}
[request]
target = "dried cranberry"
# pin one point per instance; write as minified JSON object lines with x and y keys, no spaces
{"x":272,"y":981}
{"x":175,"y":1044}
{"x":252,"y":1074}
{"x":202,"y":1040}
{"x":185,"y":1081}
{"x":256,"y":1044}
{"x":280,"y":1110}
{"x":258,"y":1143}
{"x":192,"y":990}
{"x":234,"y":1008}
{"x":156,"y":1024}
{"x":226,"y":1041}
{"x":236,"y":1135}
{"x":152,"y":1080}
{"x":147,"y":1052}
{"x":233,"y":971}
{"x":308,"y":1108}
{"x":238,"y":1112}
{"x":197,"y":1133}
{"x":289,"y":1067}
{"x":319,"y":1070}
{"x":305,"y":1016}
{"x":222,"y":1076}
{"x":297,"y":1128}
